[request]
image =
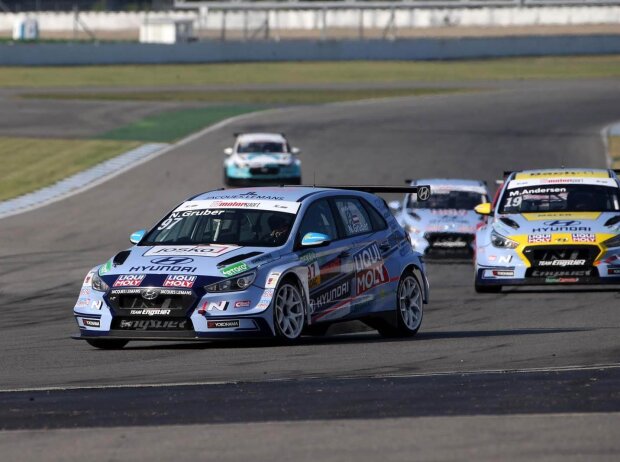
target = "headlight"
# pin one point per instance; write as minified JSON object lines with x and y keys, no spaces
{"x":98,"y":283}
{"x":502,"y":242}
{"x":613,"y":242}
{"x":233,"y":284}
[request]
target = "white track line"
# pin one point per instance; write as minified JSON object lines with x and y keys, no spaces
{"x":342,"y":377}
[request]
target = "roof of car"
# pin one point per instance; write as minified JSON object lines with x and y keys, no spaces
{"x":249,"y":137}
{"x":563,"y":173}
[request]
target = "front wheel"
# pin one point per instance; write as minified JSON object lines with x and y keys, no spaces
{"x":107,"y":344}
{"x":409,"y":310}
{"x":288,"y":312}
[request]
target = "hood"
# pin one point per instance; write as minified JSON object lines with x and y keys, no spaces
{"x":444,"y":220}
{"x":213,"y":262}
{"x":575,"y":227}
{"x":261,"y":159}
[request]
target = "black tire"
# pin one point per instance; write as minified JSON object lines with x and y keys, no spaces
{"x":317,"y":330}
{"x":408,"y":318}
{"x":107,"y":344}
{"x":288,"y":332}
{"x":487,"y":289}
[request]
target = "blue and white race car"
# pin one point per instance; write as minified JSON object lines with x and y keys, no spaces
{"x":260,"y":262}
{"x":261,"y":158}
{"x":555,"y":226}
{"x":445,"y":224}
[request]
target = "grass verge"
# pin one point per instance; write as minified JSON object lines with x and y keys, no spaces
{"x":172,"y":125}
{"x":29,"y":164}
{"x":265,"y":97}
{"x":312,"y":73}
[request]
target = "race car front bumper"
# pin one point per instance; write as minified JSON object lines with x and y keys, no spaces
{"x":511,"y":276}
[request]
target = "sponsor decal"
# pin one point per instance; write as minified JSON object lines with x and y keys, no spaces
{"x":212,"y":250}
{"x":241,"y":202}
{"x":503,"y":273}
{"x":129,"y":280}
{"x":505,"y":259}
{"x":179,"y":280}
{"x":234,"y":269}
{"x":314,"y":275}
{"x":85,"y":292}
{"x":308,"y":257}
{"x":272,"y":280}
{"x":330,"y":295}
{"x":561,"y":280}
{"x":91,"y":322}
{"x":96,"y":304}
{"x":105,"y":268}
{"x":579,"y":262}
{"x":561,"y":227}
{"x":584,"y":237}
{"x":613,"y":270}
{"x":560,"y":273}
{"x":229,"y":324}
{"x":88,"y":280}
{"x":213,"y":306}
{"x":449,"y":212}
{"x":242,"y":304}
{"x":163,"y":268}
{"x":172,"y":260}
{"x":153,"y":324}
{"x":538,"y":238}
{"x":369,"y":268}
{"x":150,"y":312}
{"x":161,"y":291}
{"x":82,"y":302}
{"x":533,"y":191}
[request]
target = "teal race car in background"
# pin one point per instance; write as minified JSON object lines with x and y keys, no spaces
{"x":261,"y":158}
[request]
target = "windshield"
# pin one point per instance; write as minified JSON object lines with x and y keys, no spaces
{"x":565,"y":198}
{"x":449,"y":200}
{"x":255,"y":228}
{"x":261,"y":147}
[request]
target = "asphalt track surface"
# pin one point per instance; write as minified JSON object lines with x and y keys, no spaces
{"x":559,"y":347}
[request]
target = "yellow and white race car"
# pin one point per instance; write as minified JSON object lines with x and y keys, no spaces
{"x":556,"y":226}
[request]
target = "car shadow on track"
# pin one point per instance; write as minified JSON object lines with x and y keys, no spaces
{"x":352,"y":338}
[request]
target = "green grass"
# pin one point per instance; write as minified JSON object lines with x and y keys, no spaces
{"x":313,"y":73}
{"x":251,"y":97}
{"x":172,"y":125}
{"x":30,"y":164}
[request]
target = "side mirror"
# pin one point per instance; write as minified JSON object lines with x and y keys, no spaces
{"x":315,"y":240}
{"x":136,"y":237}
{"x":395,"y":206}
{"x":295,"y":151}
{"x":484,"y":209}
{"x":228,"y":151}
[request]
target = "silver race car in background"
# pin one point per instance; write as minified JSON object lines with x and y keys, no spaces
{"x":445,"y":224}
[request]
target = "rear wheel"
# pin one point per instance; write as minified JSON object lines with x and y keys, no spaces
{"x":288,"y":312}
{"x":409,"y":310}
{"x":107,"y":344}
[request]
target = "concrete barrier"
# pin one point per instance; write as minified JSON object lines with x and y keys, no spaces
{"x":305,"y":50}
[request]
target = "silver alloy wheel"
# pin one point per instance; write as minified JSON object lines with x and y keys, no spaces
{"x":410,"y":302}
{"x":289,"y":311}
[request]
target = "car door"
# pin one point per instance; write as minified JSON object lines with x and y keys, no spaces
{"x":371,"y":253}
{"x":329,"y":288}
